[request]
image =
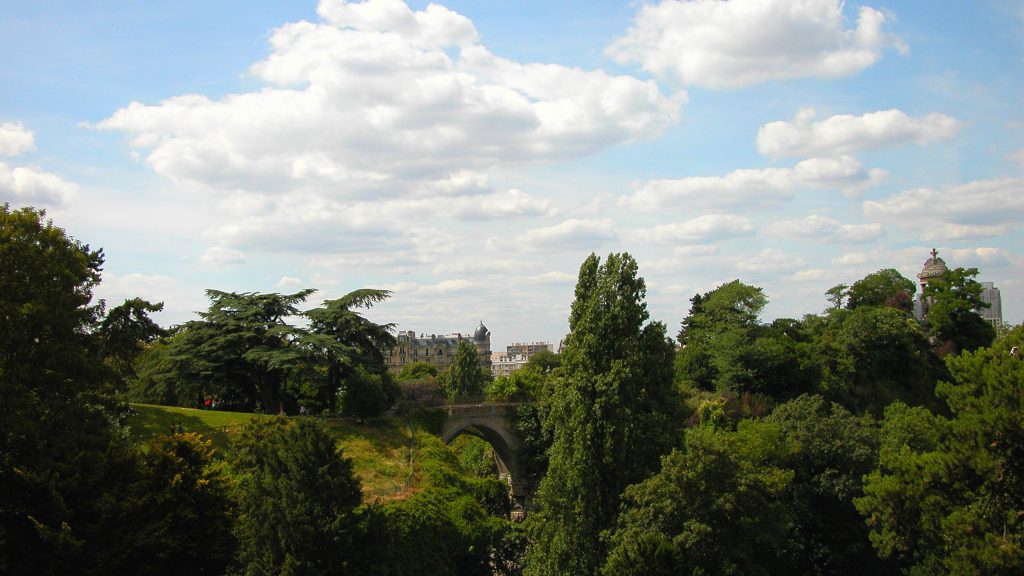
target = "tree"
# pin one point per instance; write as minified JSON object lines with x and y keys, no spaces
{"x":612,"y":416}
{"x":836,"y":295}
{"x":345,"y":341}
{"x":713,"y":508}
{"x":544,"y":361}
{"x":947,"y":494}
{"x":465,"y":377}
{"x":243,"y":348}
{"x":830,"y":451}
{"x":871,"y":356}
{"x":724,"y":346}
{"x":55,"y":437}
{"x":952,"y":316}
{"x":297,"y":497}
{"x":124,"y":332}
{"x":883,"y":288}
{"x":170,"y":512}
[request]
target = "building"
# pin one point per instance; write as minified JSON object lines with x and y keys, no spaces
{"x":527,"y":349}
{"x":503,"y":364}
{"x":990,"y":296}
{"x":515,"y":357}
{"x":933,"y":268}
{"x":438,"y":350}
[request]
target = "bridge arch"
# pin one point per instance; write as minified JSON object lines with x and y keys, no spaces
{"x":494,"y":423}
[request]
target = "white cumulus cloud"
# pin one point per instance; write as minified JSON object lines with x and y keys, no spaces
{"x":15,"y":139}
{"x":981,"y":208}
{"x":709,"y":227}
{"x":754,"y":188}
{"x":744,"y":42}
{"x":770,"y":261}
{"x":221,"y":256}
{"x":844,"y":133}
{"x":24,"y":184}
{"x":378,"y":99}
{"x":824,"y":229}
{"x":571,"y":233}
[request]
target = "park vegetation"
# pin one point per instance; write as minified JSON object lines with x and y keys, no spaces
{"x":855,"y":440}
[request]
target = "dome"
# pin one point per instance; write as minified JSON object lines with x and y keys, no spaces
{"x":481,"y":332}
{"x":934,"y":267}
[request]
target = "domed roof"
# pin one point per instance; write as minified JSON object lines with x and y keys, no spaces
{"x":933,"y":267}
{"x":481,"y":332}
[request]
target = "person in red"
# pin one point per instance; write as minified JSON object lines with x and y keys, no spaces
{"x":207,"y":403}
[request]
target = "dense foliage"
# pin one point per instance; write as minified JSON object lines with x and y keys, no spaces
{"x":247,"y":352}
{"x":611,"y":415}
{"x":858,"y":440}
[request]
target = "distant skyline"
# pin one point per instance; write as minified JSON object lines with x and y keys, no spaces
{"x":469,"y":155}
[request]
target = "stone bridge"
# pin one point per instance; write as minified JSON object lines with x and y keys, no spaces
{"x":494,"y":423}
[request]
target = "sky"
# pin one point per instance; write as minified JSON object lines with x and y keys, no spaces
{"x":468,"y":156}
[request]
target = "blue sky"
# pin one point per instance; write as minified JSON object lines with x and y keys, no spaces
{"x":469,"y":155}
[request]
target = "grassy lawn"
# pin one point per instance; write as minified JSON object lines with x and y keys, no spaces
{"x":150,"y":421}
{"x":379,"y":448}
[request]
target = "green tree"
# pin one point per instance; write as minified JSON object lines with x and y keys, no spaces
{"x":830,"y":452}
{"x":713,"y":508}
{"x":544,"y":361}
{"x":347,"y":342}
{"x":162,"y":374}
{"x":953,"y":303}
{"x":948,"y":491}
{"x":55,"y":436}
{"x":725,"y":347}
{"x":837,"y":295}
{"x":243,"y":348}
{"x":416,"y":371}
{"x":883,"y":288}
{"x":297,"y":498}
{"x":124,"y":333}
{"x":612,"y":415}
{"x":871,"y":356}
{"x":170,"y":512}
{"x":465,"y":377}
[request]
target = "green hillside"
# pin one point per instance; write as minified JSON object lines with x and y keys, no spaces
{"x":381,"y":449}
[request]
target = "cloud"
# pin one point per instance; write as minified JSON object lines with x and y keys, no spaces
{"x":179,"y":301}
{"x":770,"y":261}
{"x":981,"y":208}
{"x":709,"y":227}
{"x":379,"y":99}
{"x":554,"y":277}
{"x":288,"y":282}
{"x":572,"y":233}
{"x":15,"y":139}
{"x":744,"y":42}
{"x":221,"y":256}
{"x":754,"y":188}
{"x":851,"y":259}
{"x":824,"y":229}
{"x":445,"y":287}
{"x":843,"y":134}
{"x":981,"y":257}
{"x":34,"y":186}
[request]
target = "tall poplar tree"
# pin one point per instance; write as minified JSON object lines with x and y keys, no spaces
{"x":611,"y":417}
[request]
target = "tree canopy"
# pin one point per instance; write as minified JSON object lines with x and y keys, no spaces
{"x":948,"y":491}
{"x":954,"y":300}
{"x":612,"y":416}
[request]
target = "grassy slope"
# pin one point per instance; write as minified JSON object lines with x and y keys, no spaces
{"x":379,"y":448}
